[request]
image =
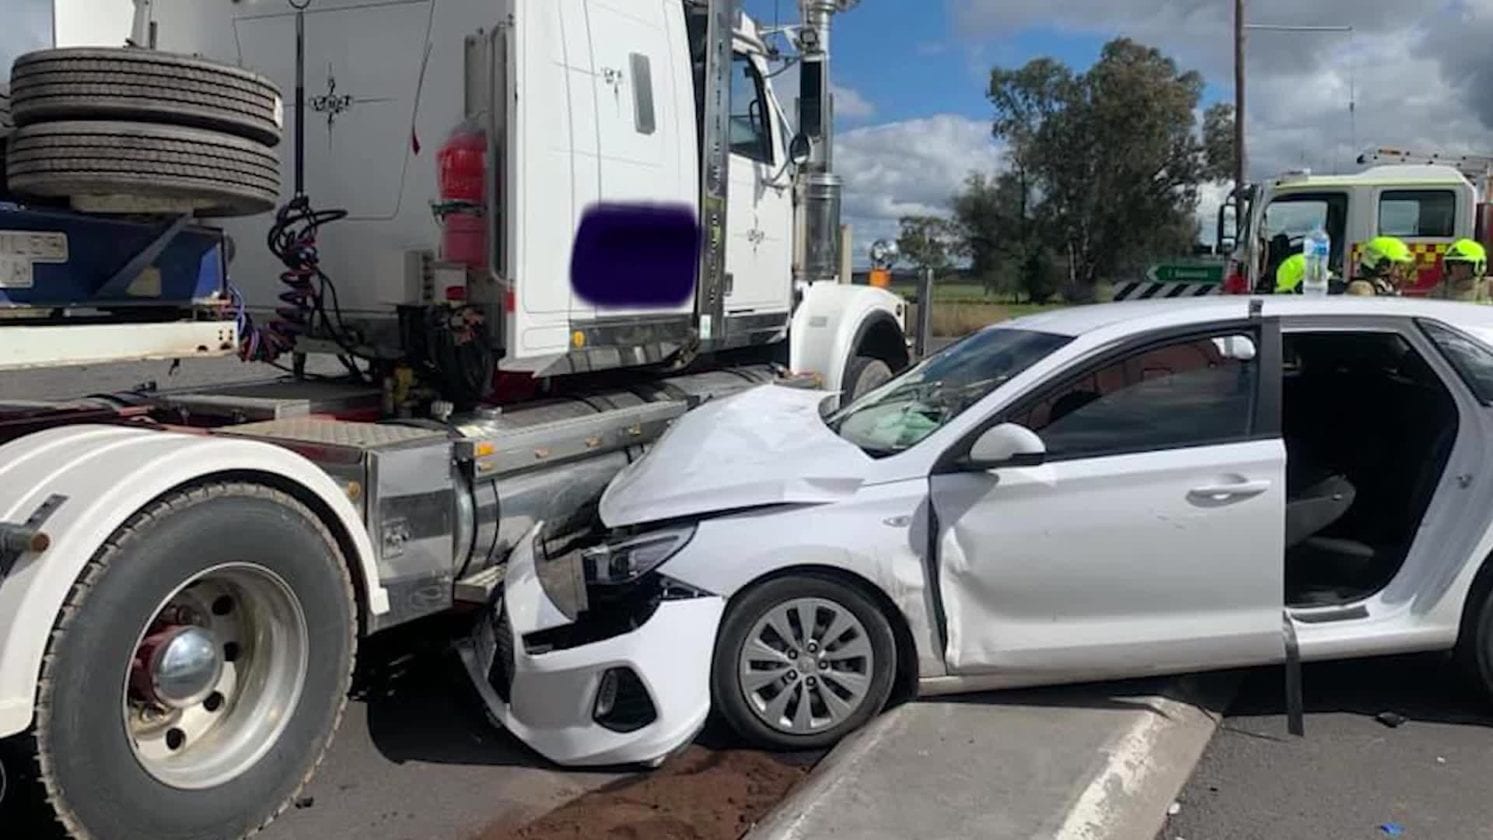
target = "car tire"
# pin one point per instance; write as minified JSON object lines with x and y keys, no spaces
{"x":133,"y":167}
{"x":100,"y":83}
{"x":210,"y":558}
{"x":1474,"y":651}
{"x":739,"y":687}
{"x":864,"y":375}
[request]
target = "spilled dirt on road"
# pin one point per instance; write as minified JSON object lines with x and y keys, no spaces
{"x":701,"y":794}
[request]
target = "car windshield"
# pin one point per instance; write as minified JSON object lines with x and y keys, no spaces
{"x":912,"y":406}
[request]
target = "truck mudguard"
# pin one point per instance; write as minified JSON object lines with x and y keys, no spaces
{"x":96,"y":478}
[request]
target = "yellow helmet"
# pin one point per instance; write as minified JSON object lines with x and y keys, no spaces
{"x":1381,"y":252}
{"x":1290,"y":274}
{"x":1468,"y":251}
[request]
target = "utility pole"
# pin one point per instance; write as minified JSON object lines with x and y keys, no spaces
{"x":1238,"y":106}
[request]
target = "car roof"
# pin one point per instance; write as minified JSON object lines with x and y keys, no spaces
{"x":1141,"y":315}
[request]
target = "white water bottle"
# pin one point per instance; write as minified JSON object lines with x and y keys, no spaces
{"x":1318,"y":251}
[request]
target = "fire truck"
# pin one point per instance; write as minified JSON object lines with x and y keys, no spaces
{"x":1427,"y":199}
{"x":534,"y":232}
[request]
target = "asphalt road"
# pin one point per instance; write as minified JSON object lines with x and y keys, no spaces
{"x":1351,"y":776}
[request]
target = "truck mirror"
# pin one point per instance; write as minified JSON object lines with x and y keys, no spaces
{"x":800,"y":149}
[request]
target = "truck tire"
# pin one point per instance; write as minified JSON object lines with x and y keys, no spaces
{"x":781,"y":688}
{"x":198,"y":669}
{"x":100,"y":83}
{"x":7,"y":123}
{"x":863,"y":376}
{"x":138,"y":167}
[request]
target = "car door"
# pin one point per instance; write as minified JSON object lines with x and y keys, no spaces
{"x":1151,"y":537}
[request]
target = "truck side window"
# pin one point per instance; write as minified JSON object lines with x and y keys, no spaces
{"x":1418,"y":213}
{"x":751,"y":136}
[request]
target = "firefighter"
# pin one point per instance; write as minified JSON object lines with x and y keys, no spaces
{"x":1463,"y":268}
{"x":1386,"y":264}
{"x":1289,"y":275}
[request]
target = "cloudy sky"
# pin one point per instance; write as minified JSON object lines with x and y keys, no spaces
{"x":914,"y":72}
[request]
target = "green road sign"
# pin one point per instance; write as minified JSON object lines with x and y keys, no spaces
{"x":1186,"y":273}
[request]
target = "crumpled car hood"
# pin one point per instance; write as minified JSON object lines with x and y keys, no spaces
{"x":761,"y":447}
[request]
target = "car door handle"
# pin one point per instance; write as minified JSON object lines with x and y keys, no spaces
{"x":1235,"y":490}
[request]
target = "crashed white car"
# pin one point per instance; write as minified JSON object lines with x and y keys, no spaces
{"x":1099,"y":492}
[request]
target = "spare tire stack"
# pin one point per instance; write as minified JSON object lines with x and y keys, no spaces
{"x":128,"y":130}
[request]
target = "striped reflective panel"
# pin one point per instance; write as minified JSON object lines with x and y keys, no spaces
{"x":1146,"y":290}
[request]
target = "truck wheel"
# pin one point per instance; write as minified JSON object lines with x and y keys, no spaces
{"x":101,"y":83}
{"x":865,"y":375}
{"x":7,"y":123}
{"x":138,"y":167}
{"x":198,"y":669}
{"x":802,"y":661}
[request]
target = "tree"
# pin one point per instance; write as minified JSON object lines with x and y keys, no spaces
{"x":928,"y":242}
{"x":1106,"y":163}
{"x":981,"y":218}
{"x":1219,"y":152}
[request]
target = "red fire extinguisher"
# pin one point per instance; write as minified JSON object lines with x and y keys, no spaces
{"x":462,"y":167}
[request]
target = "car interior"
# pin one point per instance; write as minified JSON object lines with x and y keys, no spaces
{"x":1368,"y":428}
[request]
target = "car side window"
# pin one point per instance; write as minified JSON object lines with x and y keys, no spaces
{"x":1472,"y":360}
{"x":1193,"y":392}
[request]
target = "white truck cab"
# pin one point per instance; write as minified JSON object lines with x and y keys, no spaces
{"x":588,"y":103}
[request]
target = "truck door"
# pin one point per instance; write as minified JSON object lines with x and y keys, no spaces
{"x":1290,"y":216}
{"x":760,"y":209}
{"x":1428,"y":218}
{"x":643,"y":108}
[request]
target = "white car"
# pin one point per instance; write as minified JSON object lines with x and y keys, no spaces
{"x":1099,"y":492}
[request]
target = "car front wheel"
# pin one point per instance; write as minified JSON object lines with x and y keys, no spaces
{"x":801,"y":661}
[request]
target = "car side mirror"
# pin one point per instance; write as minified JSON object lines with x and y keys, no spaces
{"x":1007,"y":445}
{"x":800,"y":149}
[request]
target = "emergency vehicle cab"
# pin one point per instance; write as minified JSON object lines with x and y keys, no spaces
{"x":1428,"y":200}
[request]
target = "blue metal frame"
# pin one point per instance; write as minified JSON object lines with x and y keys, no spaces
{"x":106,"y":256}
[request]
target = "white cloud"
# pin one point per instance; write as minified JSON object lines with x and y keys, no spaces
{"x":908,"y":168}
{"x":850,"y":104}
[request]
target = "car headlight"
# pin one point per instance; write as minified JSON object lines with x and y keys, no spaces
{"x":630,"y":559}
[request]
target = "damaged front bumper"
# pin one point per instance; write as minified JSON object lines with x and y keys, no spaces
{"x":583,"y":689}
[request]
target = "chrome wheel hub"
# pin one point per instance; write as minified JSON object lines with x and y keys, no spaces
{"x":806,"y":666}
{"x":181,"y":666}
{"x":215,"y":676}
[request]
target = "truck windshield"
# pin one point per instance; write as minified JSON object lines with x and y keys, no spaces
{"x":912,"y":406}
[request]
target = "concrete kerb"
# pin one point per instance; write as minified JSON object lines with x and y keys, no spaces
{"x":1091,"y":763}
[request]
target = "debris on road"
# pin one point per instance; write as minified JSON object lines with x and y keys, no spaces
{"x":702,"y":794}
{"x":305,"y":802}
{"x":1392,"y":829}
{"x":1174,"y":809}
{"x":1393,"y":720}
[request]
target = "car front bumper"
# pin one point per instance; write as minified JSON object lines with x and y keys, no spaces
{"x":549,"y":699}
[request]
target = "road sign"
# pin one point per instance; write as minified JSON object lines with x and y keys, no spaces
{"x":1186,"y":273}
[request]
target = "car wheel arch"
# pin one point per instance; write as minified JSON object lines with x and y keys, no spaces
{"x":905,"y":678}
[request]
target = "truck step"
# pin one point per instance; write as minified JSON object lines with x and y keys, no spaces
{"x":479,"y":588}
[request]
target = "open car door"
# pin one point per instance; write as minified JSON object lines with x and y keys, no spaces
{"x":1147,"y":538}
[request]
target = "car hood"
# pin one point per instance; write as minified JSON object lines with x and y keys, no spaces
{"x":764,"y":446}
